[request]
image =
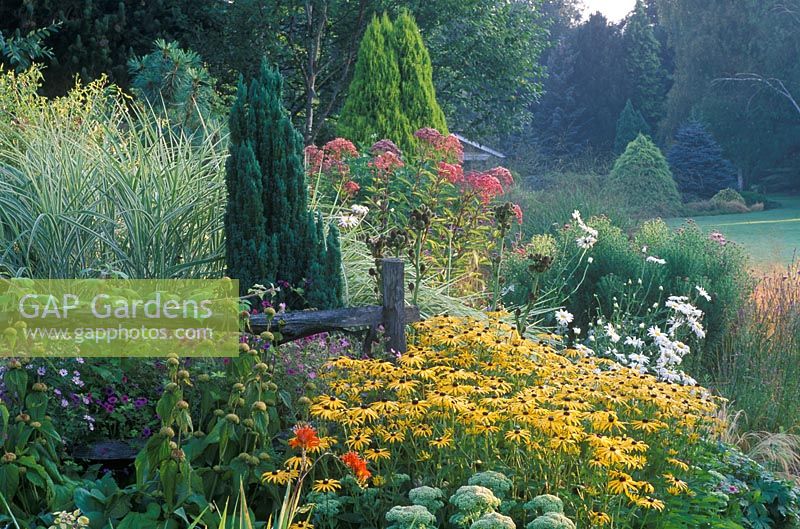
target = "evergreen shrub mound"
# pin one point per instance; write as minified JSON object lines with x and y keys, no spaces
{"x":728,"y":195}
{"x":270,"y":234}
{"x":641,"y":177}
{"x":697,"y":163}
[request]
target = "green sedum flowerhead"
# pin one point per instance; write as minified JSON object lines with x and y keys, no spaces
{"x":551,"y":520}
{"x":410,"y":517}
{"x":428,"y":497}
{"x":493,"y":520}
{"x":326,"y":504}
{"x":472,"y":502}
{"x":494,"y":481}
{"x":546,"y":503}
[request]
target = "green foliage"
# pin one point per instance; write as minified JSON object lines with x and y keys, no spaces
{"x":150,"y":220}
{"x":727,"y":195}
{"x":373,"y":108}
{"x":643,"y":62}
{"x":697,"y":162}
{"x":417,"y":93}
{"x":32,"y":478}
{"x":757,"y":127}
{"x":96,"y":38}
{"x":629,"y":125}
{"x":270,"y":234}
{"x":175,"y":83}
{"x":641,"y":175}
{"x":20,"y":51}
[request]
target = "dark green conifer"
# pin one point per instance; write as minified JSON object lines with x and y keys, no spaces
{"x":629,"y":125}
{"x":270,"y":234}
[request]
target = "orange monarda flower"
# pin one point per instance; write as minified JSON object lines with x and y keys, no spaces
{"x":357,"y":465}
{"x":305,"y":437}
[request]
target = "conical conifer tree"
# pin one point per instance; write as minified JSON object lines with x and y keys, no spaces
{"x":643,"y":62}
{"x":630,"y":124}
{"x":270,"y":234}
{"x":417,"y":93}
{"x":372,"y":108}
{"x":641,"y":177}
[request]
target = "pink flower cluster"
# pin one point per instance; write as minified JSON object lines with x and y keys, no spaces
{"x":718,"y":238}
{"x":447,"y":147}
{"x":453,"y":172}
{"x":384,"y":146}
{"x":331,"y":158}
{"x":386,"y":162}
{"x":490,"y":184}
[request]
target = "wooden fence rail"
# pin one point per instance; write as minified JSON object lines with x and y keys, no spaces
{"x":393,"y":315}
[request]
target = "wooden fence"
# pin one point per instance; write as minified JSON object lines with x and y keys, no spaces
{"x":393,"y":315}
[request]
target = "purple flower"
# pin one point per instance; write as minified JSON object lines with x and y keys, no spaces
{"x":108,"y":407}
{"x":41,"y":371}
{"x":63,"y":372}
{"x":146,"y":432}
{"x":140,"y":402}
{"x":109,"y":390}
{"x":125,"y":399}
{"x":113,"y":399}
{"x":64,"y":403}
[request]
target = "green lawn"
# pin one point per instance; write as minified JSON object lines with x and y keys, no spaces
{"x":771,"y":237}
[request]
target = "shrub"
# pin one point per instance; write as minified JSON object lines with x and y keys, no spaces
{"x":642,"y":177}
{"x":752,"y":198}
{"x":697,"y":163}
{"x":270,"y":234}
{"x":728,"y":195}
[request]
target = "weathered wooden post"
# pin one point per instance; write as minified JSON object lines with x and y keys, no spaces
{"x":394,"y":314}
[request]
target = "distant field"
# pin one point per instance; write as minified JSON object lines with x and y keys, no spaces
{"x":771,"y":237}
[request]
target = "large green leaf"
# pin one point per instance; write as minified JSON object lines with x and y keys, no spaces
{"x":9,"y":480}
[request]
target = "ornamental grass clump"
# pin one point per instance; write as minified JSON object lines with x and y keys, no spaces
{"x":474,"y":395}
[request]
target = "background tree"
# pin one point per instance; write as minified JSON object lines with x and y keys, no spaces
{"x":630,"y":124}
{"x":600,"y":79}
{"x":99,"y":37}
{"x":697,"y":163}
{"x":643,"y":62}
{"x":756,"y":127}
{"x":270,"y":234}
{"x":641,"y":175}
{"x":417,"y":93}
{"x":175,"y":82}
{"x":373,"y":109}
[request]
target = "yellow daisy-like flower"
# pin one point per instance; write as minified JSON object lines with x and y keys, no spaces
{"x":518,"y":435}
{"x":326,"y":485}
{"x":599,"y":518}
{"x":278,"y":477}
{"x":677,"y":463}
{"x":441,"y":442}
{"x":393,"y":437}
{"x":376,"y":454}
{"x":302,"y":524}
{"x":622,"y":483}
{"x":297,"y":463}
{"x":424,"y":455}
{"x":647,"y":425}
{"x":648,"y":502}
{"x":358,"y":441}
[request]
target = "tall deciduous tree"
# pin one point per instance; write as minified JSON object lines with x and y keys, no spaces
{"x":697,"y":162}
{"x":643,"y":62}
{"x":270,"y":234}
